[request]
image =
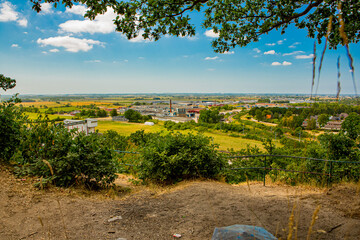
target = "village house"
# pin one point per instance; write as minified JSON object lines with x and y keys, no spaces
{"x":333,"y":125}
{"x":87,"y":126}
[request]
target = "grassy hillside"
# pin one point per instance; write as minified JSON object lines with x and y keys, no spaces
{"x":223,"y":139}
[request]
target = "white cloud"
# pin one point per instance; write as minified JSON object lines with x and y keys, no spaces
{"x":70,"y":44}
{"x":293,"y":53}
{"x":210,"y":33}
{"x":304,"y":56}
{"x":8,"y":14}
{"x":294,"y":44}
{"x":139,"y":38}
{"x":46,"y":8}
{"x":44,"y":52}
{"x":284,"y":63}
{"x":122,"y":61}
{"x":211,"y":58}
{"x":141,"y":58}
{"x":54,"y":50}
{"x":228,"y":53}
{"x":270,"y":44}
{"x":211,"y":69}
{"x":271,"y":52}
{"x":15,"y":45}
{"x":280,"y":42}
{"x":77,"y":9}
{"x":93,"y":61}
{"x":23,"y":22}
{"x":102,"y":24}
{"x":192,"y":38}
{"x":257,"y":50}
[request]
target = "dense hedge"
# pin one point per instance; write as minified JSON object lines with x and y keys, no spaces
{"x":64,"y":157}
{"x":169,"y":158}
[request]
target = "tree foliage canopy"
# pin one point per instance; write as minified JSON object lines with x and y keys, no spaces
{"x":238,"y":22}
{"x":6,"y":82}
{"x":351,"y":125}
{"x":210,"y":116}
{"x":11,"y":119}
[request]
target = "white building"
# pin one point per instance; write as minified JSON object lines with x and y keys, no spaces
{"x":88,"y":125}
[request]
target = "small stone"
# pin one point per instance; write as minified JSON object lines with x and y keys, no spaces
{"x":115,"y":219}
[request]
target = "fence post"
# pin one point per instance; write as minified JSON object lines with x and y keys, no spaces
{"x":264,"y":169}
{"x":330,"y":173}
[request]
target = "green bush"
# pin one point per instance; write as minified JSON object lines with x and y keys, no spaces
{"x":173,"y":157}
{"x":115,"y":141}
{"x":234,"y":173}
{"x":11,"y":120}
{"x":65,"y":158}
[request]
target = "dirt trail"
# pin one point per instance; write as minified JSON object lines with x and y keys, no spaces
{"x":191,"y":209}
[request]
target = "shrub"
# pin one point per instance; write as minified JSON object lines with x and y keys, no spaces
{"x":63,"y":158}
{"x":140,"y":138}
{"x":173,"y":157}
{"x":234,"y":174}
{"x":115,"y":141}
{"x":11,"y":121}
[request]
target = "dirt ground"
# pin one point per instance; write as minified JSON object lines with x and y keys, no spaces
{"x":192,"y":209}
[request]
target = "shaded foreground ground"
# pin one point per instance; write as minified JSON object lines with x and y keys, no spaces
{"x":191,"y":209}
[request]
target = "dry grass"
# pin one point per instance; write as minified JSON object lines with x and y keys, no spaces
{"x":314,"y":217}
{"x":291,"y":223}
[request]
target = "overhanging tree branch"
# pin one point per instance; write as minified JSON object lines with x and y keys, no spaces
{"x":295,"y":16}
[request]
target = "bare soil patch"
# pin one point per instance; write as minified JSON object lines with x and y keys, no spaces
{"x":192,"y":209}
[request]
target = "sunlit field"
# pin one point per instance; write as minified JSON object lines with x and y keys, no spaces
{"x":41,"y":103}
{"x":224,"y":140}
{"x":34,"y":116}
{"x":126,"y":128}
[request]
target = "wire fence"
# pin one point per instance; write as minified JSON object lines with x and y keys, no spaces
{"x":330,"y":169}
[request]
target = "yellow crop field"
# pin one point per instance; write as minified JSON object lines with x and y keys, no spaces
{"x":237,"y":143}
{"x":126,"y":128}
{"x":85,"y":103}
{"x":38,"y":104}
{"x":34,"y":116}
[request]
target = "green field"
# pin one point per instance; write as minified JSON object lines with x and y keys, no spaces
{"x":223,"y":139}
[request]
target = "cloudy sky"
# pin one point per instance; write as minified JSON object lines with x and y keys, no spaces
{"x":58,"y":51}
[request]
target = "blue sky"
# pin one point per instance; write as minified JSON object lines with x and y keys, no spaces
{"x":58,"y":52}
